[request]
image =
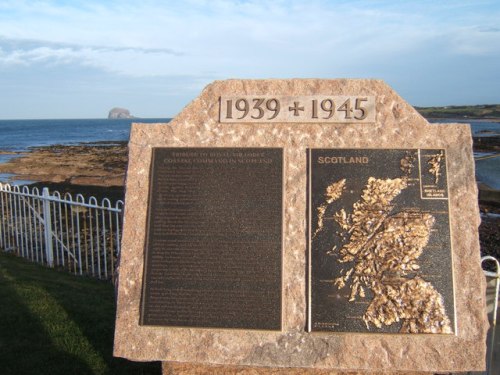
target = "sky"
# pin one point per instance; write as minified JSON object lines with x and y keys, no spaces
{"x":78,"y":59}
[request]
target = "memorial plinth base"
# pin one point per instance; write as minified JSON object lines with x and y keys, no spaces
{"x":176,"y":368}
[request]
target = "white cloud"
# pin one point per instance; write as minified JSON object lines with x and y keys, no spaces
{"x":120,"y":60}
{"x":475,"y":41}
{"x":229,"y":38}
{"x":186,"y":43}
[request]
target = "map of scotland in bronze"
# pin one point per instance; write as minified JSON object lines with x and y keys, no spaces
{"x":379,"y":242}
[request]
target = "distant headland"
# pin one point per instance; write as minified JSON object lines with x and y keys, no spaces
{"x":481,"y":112}
{"x":118,"y":113}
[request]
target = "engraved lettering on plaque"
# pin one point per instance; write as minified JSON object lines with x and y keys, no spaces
{"x":318,"y":108}
{"x":213,"y":256}
{"x":380,"y":256}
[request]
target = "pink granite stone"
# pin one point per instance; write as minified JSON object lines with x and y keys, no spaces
{"x":397,"y":125}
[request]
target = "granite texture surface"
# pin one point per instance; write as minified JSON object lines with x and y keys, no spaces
{"x":397,"y":125}
{"x":176,"y":368}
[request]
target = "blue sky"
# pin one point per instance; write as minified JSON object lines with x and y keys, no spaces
{"x":78,"y":59}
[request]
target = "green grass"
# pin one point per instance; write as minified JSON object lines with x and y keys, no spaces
{"x":52,"y":322}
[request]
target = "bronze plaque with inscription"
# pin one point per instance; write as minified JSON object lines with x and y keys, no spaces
{"x":213,"y":255}
{"x":380,"y":257}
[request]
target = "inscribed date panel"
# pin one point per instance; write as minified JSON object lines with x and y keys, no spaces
{"x":214,"y":239}
{"x":298,"y":109}
{"x":380,"y":255}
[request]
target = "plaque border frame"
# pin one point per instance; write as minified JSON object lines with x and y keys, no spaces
{"x":308,"y":327}
{"x":282,"y":247}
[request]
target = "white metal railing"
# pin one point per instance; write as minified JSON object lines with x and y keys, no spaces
{"x":78,"y":235}
{"x":496,"y":276}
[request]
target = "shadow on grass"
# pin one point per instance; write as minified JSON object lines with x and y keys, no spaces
{"x":23,"y":338}
{"x":55,"y":323}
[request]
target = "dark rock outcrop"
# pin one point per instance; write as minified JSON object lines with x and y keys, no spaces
{"x":119,"y":113}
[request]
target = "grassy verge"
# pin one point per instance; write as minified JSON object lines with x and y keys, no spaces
{"x":55,"y":323}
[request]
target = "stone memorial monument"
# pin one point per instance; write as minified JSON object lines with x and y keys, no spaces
{"x":301,"y":226}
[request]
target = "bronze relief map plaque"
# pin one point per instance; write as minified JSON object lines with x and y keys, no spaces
{"x":214,"y":239}
{"x":379,"y":257}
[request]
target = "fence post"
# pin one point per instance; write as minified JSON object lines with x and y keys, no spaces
{"x":48,"y":227}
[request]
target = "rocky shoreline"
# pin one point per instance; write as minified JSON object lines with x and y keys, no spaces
{"x":487,"y":143}
{"x":94,"y":164}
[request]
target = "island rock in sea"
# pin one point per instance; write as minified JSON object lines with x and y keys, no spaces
{"x":119,"y":113}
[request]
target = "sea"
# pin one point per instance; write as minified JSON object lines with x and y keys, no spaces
{"x":20,"y":135}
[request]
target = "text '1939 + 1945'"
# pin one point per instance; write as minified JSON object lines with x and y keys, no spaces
{"x":317,"y":108}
